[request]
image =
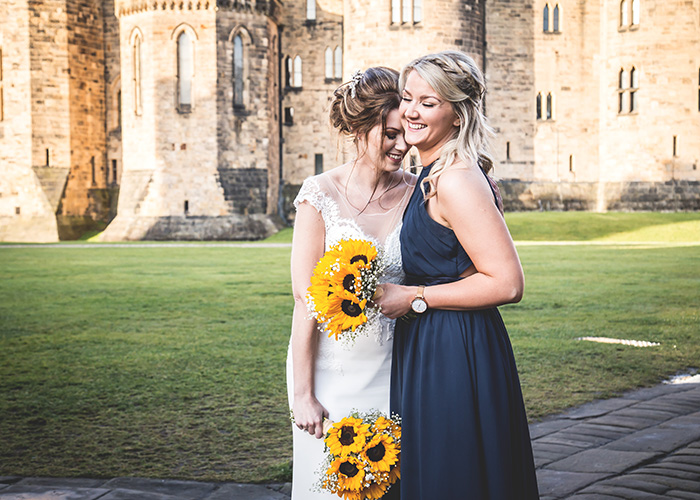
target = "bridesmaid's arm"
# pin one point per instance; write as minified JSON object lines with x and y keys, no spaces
{"x":307,"y":248}
{"x":464,"y":202}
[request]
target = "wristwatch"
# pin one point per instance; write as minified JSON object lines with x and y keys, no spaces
{"x":418,"y":304}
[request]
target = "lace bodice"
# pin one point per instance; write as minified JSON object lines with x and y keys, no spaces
{"x":381,"y":228}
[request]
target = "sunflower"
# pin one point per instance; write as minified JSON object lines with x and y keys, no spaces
{"x":381,"y":452}
{"x":350,"y":472}
{"x":381,"y":424}
{"x":376,"y":490}
{"x":395,"y":472}
{"x":345,"y":312}
{"x":358,"y":251}
{"x":347,"y":436}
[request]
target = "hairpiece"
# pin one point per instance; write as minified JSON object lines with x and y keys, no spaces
{"x":354,"y":80}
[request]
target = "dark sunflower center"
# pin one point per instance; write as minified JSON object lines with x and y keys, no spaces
{"x":349,"y":283}
{"x":350,"y":308}
{"x":376,"y":453}
{"x":348,"y":469}
{"x":347,"y":435}
{"x":358,"y":258}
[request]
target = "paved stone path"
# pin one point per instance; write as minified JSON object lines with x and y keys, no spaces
{"x":644,"y":445}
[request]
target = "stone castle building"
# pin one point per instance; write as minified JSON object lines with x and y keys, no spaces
{"x":198,"y":119}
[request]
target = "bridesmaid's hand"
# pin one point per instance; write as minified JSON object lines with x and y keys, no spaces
{"x":309,"y":415}
{"x":394,"y":300}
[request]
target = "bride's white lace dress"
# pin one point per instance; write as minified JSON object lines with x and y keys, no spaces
{"x":357,"y":376}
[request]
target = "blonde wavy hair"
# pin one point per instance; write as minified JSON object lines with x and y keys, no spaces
{"x":457,"y":79}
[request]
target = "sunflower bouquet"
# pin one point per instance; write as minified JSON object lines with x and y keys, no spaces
{"x":342,"y":286}
{"x":363,"y":456}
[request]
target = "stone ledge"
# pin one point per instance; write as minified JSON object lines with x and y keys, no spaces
{"x":192,"y":228}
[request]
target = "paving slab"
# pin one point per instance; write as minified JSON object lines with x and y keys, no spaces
{"x":187,"y":489}
{"x":683,"y":495}
{"x":596,"y":408}
{"x":657,"y":391}
{"x":655,"y":439}
{"x":559,"y":484}
{"x":32,"y":492}
{"x":63,"y":482}
{"x":592,"y":496}
{"x":671,"y":481}
{"x":602,"y":461}
{"x":246,"y":492}
{"x":622,"y":492}
{"x":636,"y":483}
{"x":624,"y":422}
{"x":124,"y":494}
{"x":545,"y":427}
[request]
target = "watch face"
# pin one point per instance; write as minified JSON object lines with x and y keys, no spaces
{"x":419,"y":305}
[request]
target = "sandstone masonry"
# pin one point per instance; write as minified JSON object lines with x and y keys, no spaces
{"x":199,"y":119}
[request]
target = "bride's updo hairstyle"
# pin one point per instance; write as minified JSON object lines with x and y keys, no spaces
{"x":363,"y":102}
{"x":456,"y":79}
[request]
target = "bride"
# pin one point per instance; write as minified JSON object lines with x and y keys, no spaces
{"x":362,"y":199}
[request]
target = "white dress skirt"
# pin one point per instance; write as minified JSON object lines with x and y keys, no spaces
{"x":348,"y":377}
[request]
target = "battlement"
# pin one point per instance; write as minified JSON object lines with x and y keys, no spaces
{"x":129,"y":7}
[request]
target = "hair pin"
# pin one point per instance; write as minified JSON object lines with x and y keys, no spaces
{"x":354,"y":80}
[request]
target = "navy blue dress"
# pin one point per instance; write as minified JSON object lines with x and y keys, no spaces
{"x":455,"y":384}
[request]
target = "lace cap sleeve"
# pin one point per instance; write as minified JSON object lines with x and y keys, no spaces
{"x":311,"y":191}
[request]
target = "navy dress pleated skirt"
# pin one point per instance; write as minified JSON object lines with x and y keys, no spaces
{"x":455,"y":385}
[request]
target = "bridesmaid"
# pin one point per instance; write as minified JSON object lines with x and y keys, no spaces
{"x":454,"y":379}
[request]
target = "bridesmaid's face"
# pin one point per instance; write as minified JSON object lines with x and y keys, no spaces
{"x":429,"y":120}
{"x":387,"y":151}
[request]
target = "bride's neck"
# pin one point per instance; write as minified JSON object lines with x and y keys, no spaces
{"x":366,"y":177}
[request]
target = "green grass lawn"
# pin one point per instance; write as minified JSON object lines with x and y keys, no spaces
{"x":169,"y":362}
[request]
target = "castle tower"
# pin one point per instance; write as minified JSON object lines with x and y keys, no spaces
{"x":393,"y":33}
{"x":200,"y":122}
{"x":52,"y":116}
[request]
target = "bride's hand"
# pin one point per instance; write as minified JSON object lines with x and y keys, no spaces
{"x":309,"y":415}
{"x":394,"y":300}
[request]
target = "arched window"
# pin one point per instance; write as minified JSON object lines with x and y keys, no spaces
{"x":396,"y":11}
{"x":297,"y":72}
{"x":621,"y":91}
{"x":545,"y":18}
{"x":538,"y":106}
{"x":338,"y":66}
{"x":634,"y":86}
{"x":288,"y":71}
{"x":137,"y":75}
{"x":635,"y":12}
{"x":2,"y":102}
{"x":238,"y":76}
{"x":329,"y":63}
{"x":311,"y":10}
{"x":624,"y":16}
{"x":406,"y":11}
{"x":417,"y":11}
{"x":555,"y":19}
{"x":550,"y":106}
{"x":185,"y":72}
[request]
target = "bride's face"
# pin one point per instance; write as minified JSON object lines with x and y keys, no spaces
{"x":387,"y":151}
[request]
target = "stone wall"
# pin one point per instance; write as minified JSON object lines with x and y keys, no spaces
{"x":371,"y":38}
{"x":678,"y":195}
{"x":86,"y":193}
{"x":307,"y":135}
{"x":248,"y":132}
{"x":25,"y":212}
{"x":664,"y":49}
{"x":510,"y":77}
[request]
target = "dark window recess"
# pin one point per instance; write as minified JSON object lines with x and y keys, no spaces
{"x":318,"y":163}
